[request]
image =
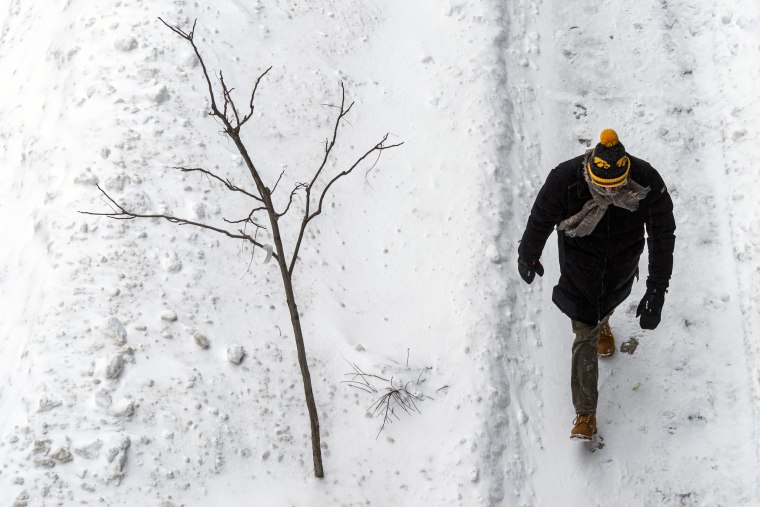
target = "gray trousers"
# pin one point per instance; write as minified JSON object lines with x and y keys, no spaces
{"x":585,"y":367}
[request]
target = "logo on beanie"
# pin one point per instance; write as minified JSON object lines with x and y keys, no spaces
{"x":609,"y":165}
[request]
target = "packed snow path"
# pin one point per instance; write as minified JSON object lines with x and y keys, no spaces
{"x":678,"y":417}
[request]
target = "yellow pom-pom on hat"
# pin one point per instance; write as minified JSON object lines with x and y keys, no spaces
{"x":609,"y":138}
{"x":609,"y":165}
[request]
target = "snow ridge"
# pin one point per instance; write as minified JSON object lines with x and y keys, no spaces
{"x":509,"y":429}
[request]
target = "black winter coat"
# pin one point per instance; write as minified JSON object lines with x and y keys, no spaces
{"x":597,"y":271}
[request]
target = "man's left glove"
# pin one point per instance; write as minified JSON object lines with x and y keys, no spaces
{"x":528,"y":269}
{"x":650,"y":307}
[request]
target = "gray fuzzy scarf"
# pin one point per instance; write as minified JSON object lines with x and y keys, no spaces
{"x":626,"y":196}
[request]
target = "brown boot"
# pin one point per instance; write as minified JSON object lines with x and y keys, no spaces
{"x":606,"y":345}
{"x":585,"y":427}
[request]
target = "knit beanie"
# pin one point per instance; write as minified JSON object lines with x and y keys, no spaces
{"x":608,"y":165}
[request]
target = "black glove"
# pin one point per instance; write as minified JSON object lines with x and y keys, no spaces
{"x":650,"y":307}
{"x":528,"y":269}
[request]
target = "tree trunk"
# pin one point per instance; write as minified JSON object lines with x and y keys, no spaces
{"x":287,"y":283}
{"x":316,"y":449}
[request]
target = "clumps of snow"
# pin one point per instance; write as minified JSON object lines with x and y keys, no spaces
{"x":87,"y":178}
{"x":169,"y":316}
{"x":161,"y":96}
{"x":89,"y":451}
{"x":103,"y":398}
{"x":117,"y":182}
{"x":127,"y":353}
{"x":198,"y":209}
{"x":493,"y":255}
{"x":137,"y":202}
{"x":22,"y":500}
{"x":117,"y":457}
{"x":126,"y":44}
{"x":48,"y":403}
{"x":115,"y":366}
{"x":41,"y":447}
{"x":171,"y":262}
{"x":62,"y":455}
{"x":40,"y":452}
{"x":114,"y":329}
{"x":235,"y":353}
{"x":201,"y":340}
{"x":124,"y":408}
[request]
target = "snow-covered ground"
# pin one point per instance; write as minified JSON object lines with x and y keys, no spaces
{"x":409,"y":273}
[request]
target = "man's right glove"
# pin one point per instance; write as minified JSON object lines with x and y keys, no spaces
{"x":528,"y":269}
{"x":650,"y":307}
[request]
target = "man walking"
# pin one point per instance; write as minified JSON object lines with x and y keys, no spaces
{"x":600,"y":202}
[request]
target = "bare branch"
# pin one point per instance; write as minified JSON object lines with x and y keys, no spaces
{"x":178,"y":30}
{"x":249,"y":218}
{"x":228,"y":99}
{"x":331,"y":142}
{"x":253,"y":95}
{"x":277,"y":182}
{"x":378,"y":147}
{"x":114,"y":203}
{"x":226,"y":92}
{"x":230,"y":129}
{"x":290,"y":201}
{"x":190,"y":38}
{"x":227,"y":183}
{"x":124,"y":214}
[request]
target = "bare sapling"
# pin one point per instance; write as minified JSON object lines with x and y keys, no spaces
{"x":232,"y":118}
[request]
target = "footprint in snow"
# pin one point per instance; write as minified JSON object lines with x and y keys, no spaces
{"x":596,"y":443}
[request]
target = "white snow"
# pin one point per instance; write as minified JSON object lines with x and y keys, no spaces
{"x":235,"y":353}
{"x":107,"y":394}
